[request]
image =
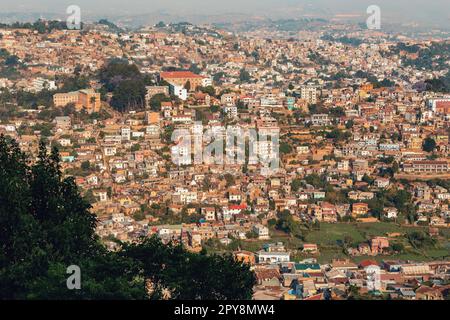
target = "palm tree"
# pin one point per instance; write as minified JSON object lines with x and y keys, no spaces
{"x":92,"y":100}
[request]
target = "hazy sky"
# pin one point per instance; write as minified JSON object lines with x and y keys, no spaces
{"x":424,"y":10}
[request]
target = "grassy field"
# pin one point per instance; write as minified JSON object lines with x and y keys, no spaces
{"x":332,"y":233}
{"x":330,"y":236}
{"x":292,"y":243}
{"x":327,"y":254}
{"x":413,"y":255}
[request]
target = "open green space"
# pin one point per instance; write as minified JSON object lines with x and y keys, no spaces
{"x":330,"y":236}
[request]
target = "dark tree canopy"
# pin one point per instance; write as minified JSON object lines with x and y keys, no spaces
{"x":155,"y":101}
{"x":129,"y":94}
{"x":126,"y":83}
{"x":441,"y":84}
{"x":244,"y":76}
{"x":46,"y":226}
{"x":429,"y":144}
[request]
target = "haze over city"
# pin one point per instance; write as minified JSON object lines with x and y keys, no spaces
{"x":426,"y":13}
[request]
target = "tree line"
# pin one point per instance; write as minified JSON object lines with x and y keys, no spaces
{"x":46,"y":226}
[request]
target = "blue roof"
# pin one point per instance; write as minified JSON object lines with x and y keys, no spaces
{"x":304,"y":266}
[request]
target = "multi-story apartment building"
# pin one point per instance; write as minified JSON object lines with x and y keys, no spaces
{"x":440,"y":105}
{"x":309,"y":93}
{"x":86,"y":99}
{"x":426,"y":166}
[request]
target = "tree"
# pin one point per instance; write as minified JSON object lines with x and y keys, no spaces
{"x":285,"y":148}
{"x":85,"y":165}
{"x":337,"y":135}
{"x":316,"y":180}
{"x":229,"y":180}
{"x":12,"y":61}
{"x":337,"y":112}
{"x":89,"y":197}
{"x":126,"y":83}
{"x":244,"y":76}
{"x":296,"y":184}
{"x":138,"y":216}
{"x":400,"y":199}
{"x":208,"y":90}
{"x":190,"y":276}
{"x":348,"y":240}
{"x":367,"y":179}
{"x":112,"y":27}
{"x":215,"y":108}
{"x":135,"y":147}
{"x":187,"y":86}
{"x":129,"y":94}
{"x":156,"y":100}
{"x":46,"y":226}
{"x":441,"y":84}
{"x":217,"y":78}
{"x":117,"y":70}
{"x":251,"y":235}
{"x":37,"y":202}
{"x":395,"y":166}
{"x":92,"y":101}
{"x":349,"y":124}
{"x":429,"y":144}
{"x":287,"y":224}
{"x":398,"y":247}
{"x":74,"y":83}
{"x":419,"y":239}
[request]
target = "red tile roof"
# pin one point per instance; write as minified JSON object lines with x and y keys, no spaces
{"x":366,"y":263}
{"x":179,"y":74}
{"x":235,"y":206}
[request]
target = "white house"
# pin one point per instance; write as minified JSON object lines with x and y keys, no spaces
{"x":373,"y":278}
{"x":178,"y":91}
{"x":391,"y":213}
{"x":261,"y":231}
{"x":382,"y":182}
{"x":273,"y":257}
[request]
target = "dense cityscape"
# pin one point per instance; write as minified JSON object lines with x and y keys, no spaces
{"x":357,"y":203}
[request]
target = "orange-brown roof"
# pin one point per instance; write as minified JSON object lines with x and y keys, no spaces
{"x":179,"y":74}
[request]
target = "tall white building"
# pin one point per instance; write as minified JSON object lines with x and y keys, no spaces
{"x":126,"y":133}
{"x":178,"y":91}
{"x":309,"y":93}
{"x":40,"y":84}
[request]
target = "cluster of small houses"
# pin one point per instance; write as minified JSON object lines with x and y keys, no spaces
{"x":193,"y":235}
{"x":280,"y":278}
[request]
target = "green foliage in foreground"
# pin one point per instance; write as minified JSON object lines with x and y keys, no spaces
{"x":45,"y":226}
